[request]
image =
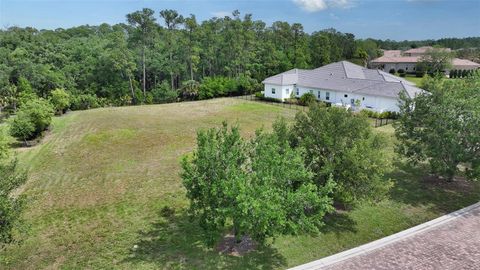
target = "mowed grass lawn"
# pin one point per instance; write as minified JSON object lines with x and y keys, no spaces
{"x":99,"y":180}
{"x":416,"y":80}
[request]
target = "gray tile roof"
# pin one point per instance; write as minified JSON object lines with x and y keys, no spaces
{"x":347,"y":77}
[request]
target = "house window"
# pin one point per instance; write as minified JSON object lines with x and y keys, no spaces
{"x":406,"y":68}
{"x":414,"y":68}
{"x":298,"y":92}
{"x":311,"y":91}
{"x":318,"y":94}
{"x":345,"y":95}
{"x":363,"y":98}
{"x":327,"y":95}
{"x":273,"y":90}
{"x":288,"y":91}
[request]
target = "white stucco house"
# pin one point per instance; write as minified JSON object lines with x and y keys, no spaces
{"x":342,"y":83}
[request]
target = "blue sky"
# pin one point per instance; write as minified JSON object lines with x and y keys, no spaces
{"x":393,"y":19}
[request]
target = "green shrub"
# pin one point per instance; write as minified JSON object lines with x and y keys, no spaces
{"x":10,"y":206}
{"x":211,"y":87}
{"x":246,"y":85}
{"x":369,"y":113}
{"x":189,"y":90}
{"x":270,"y":99}
{"x":419,"y":73}
{"x":85,"y":102}
{"x":60,"y":100}
{"x":149,"y":98}
{"x":292,"y":101}
{"x":344,"y":148}
{"x":32,"y":119}
{"x":4,"y":148}
{"x":25,"y":91}
{"x":25,"y":97}
{"x":384,"y":115}
{"x":259,"y":187}
{"x":40,"y":112}
{"x":163,"y":93}
{"x":452,"y":74}
{"x":126,"y":100}
{"x":307,"y":99}
{"x":21,"y":127}
{"x":259,"y":95}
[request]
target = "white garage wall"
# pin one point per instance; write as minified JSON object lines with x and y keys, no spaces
{"x":375,"y":103}
{"x":281,"y":91}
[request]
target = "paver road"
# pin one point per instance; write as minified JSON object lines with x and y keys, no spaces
{"x":453,"y":245}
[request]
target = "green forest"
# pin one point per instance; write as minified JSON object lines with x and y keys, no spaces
{"x":157,"y":57}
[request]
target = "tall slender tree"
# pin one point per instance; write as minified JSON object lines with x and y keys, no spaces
{"x":144,"y":23}
{"x":172,"y":21}
{"x":193,"y":50}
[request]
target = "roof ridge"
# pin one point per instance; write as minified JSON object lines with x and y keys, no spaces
{"x":372,"y":80}
{"x":344,"y":69}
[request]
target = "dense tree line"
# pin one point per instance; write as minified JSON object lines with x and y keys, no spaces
{"x":452,"y":43}
{"x":159,"y":56}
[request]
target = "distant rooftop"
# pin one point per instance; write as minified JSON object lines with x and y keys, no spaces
{"x":423,"y":50}
{"x":392,"y":53}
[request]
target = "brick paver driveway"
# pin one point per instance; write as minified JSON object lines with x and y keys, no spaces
{"x":452,"y":245}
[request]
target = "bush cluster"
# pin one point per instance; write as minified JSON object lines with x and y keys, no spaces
{"x":60,"y":100}
{"x":285,"y":181}
{"x":211,"y":87}
{"x":87,"y":101}
{"x":307,"y":99}
{"x":382,"y":115}
{"x":10,"y":179}
{"x":261,"y":186}
{"x":163,"y":93}
{"x":32,"y":119}
{"x":459,"y":73}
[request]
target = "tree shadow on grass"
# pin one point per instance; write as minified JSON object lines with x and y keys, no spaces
{"x":415,"y":187}
{"x":175,"y":242}
{"x":338,"y":222}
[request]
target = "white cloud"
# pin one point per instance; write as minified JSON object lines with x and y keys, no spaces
{"x":318,"y":5}
{"x":221,"y":14}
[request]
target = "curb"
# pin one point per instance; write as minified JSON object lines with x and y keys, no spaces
{"x":319,"y":264}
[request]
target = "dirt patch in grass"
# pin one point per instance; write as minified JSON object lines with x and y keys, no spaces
{"x":230,"y":246}
{"x":459,"y":183}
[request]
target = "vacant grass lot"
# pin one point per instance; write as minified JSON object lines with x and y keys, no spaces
{"x":99,"y":180}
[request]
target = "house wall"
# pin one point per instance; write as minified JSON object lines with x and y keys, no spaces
{"x":281,"y":91}
{"x":408,"y":67}
{"x":375,"y":103}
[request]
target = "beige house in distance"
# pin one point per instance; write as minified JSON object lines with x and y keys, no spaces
{"x":407,"y":60}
